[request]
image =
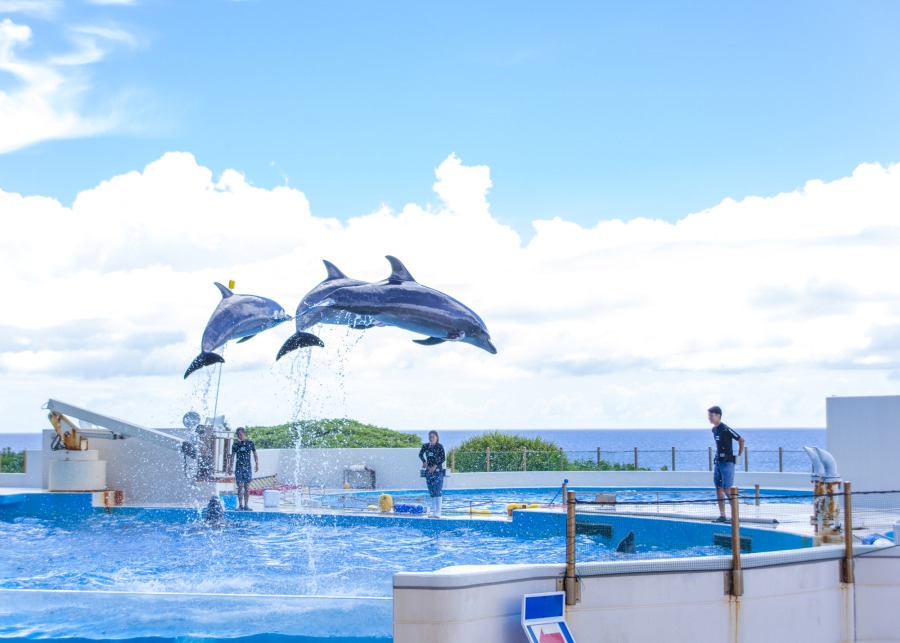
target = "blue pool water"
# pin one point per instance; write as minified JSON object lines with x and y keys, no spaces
{"x":70,"y":571}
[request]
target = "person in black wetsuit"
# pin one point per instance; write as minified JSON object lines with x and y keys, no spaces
{"x":240,"y":460}
{"x":432,"y":456}
{"x":723,"y":473}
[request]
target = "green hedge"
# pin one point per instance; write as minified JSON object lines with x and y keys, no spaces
{"x":12,"y":461}
{"x":339,"y":433}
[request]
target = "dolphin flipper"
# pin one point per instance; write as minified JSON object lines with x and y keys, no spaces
{"x":244,"y":339}
{"x":430,"y":341}
{"x":203,"y":359}
{"x":298,"y":340}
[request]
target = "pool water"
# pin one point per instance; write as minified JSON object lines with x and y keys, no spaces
{"x":138,"y":573}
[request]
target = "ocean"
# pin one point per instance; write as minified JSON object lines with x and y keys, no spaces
{"x":617,"y":445}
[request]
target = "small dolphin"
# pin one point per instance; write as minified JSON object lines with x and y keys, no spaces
{"x":309,"y":313}
{"x":401,"y":301}
{"x":626,"y":545}
{"x":214,"y":514}
{"x":240,"y":316}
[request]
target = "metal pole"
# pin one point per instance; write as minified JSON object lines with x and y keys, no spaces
{"x":524,"y":458}
{"x":570,"y":581}
{"x":737,"y":574}
{"x":746,"y":459}
{"x":710,"y":458}
{"x":487,"y":459}
{"x":847,"y":575}
{"x":635,"y":459}
{"x":757,"y":494}
{"x":598,"y":458}
{"x":673,"y":458}
{"x":780,"y":459}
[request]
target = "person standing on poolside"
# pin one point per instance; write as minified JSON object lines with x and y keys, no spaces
{"x":432,"y":456}
{"x":723,"y":472}
{"x":240,"y":460}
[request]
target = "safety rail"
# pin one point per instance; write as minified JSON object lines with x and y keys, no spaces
{"x":673,"y":459}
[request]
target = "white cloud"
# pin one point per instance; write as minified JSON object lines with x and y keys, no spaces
{"x":765,"y":306}
{"x":49,"y":99}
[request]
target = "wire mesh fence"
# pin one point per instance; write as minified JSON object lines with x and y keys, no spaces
{"x":672,"y":459}
{"x":619,"y":535}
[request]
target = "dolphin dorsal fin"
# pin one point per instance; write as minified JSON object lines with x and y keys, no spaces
{"x":399,"y":273}
{"x":222,"y":289}
{"x":333,"y":271}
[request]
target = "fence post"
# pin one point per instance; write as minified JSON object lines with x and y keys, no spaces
{"x":847,"y":575}
{"x":524,"y":458}
{"x":673,"y":458}
{"x":570,"y":581}
{"x":487,"y":459}
{"x":780,"y":459}
{"x":757,"y":494}
{"x":635,"y":459}
{"x":737,"y":574}
{"x":453,"y":460}
{"x":710,"y":458}
{"x":746,"y":459}
{"x":598,"y":458}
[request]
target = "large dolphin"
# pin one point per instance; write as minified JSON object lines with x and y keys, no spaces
{"x":310,"y":313}
{"x":240,"y":316}
{"x":401,"y":301}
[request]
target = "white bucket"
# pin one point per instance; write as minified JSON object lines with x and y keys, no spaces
{"x":270,"y":498}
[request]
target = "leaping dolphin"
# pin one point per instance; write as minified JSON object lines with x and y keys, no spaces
{"x":403,"y":302}
{"x":240,"y":316}
{"x":309,"y":313}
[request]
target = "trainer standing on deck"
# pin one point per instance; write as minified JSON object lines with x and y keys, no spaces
{"x":240,"y":460}
{"x":432,"y":456}
{"x":723,"y":473}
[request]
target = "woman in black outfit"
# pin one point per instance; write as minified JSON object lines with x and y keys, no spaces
{"x":432,"y":456}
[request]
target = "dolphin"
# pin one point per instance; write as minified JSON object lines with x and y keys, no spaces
{"x":309,"y":313}
{"x":403,"y":302}
{"x":240,"y":316}
{"x":626,"y":545}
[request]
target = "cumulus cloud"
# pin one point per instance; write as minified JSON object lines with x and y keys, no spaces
{"x":765,"y":306}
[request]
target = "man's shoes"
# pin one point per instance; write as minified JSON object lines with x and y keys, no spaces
{"x":721,"y":519}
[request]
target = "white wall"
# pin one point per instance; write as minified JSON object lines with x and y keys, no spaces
{"x":803,"y":601}
{"x":864,"y":437}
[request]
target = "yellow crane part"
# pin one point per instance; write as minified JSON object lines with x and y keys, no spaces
{"x":69,"y":439}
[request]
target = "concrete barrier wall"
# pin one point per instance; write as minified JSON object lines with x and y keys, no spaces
{"x":802,"y":601}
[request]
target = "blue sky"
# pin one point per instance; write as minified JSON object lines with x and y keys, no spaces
{"x":655,"y":207}
{"x":586,"y":110}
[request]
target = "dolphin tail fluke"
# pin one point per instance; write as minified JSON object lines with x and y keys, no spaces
{"x":298,"y":340}
{"x":203,"y":359}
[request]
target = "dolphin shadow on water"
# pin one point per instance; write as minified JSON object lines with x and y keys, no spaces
{"x":398,"y":301}
{"x":241,"y":317}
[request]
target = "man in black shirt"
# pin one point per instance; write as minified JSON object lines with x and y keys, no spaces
{"x":723,"y":473}
{"x":240,"y":459}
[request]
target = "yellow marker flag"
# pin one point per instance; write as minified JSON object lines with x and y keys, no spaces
{"x":231,"y":284}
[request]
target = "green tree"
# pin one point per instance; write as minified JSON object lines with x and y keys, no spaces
{"x":330,"y":434}
{"x":506,"y":453}
{"x":12,"y":461}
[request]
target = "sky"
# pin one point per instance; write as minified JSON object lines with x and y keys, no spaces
{"x":654,"y":207}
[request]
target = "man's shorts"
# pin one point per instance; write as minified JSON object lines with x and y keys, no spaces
{"x":243,"y":475}
{"x":723,"y":474}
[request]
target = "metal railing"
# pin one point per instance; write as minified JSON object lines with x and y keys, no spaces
{"x":673,"y":459}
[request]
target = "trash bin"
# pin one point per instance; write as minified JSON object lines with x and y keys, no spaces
{"x":359,"y":476}
{"x":270,"y":498}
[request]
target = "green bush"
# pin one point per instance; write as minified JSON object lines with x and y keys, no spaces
{"x":12,"y":461}
{"x":506,"y":455}
{"x":330,"y":434}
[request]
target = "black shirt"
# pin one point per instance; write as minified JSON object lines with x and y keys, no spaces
{"x":242,"y":450}
{"x":725,"y":437}
{"x":432,"y":454}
